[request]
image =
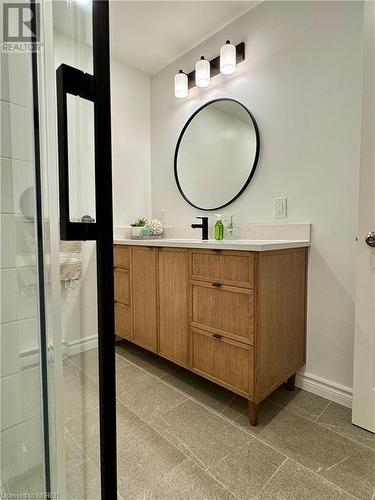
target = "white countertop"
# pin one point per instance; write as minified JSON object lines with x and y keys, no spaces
{"x":249,"y":245}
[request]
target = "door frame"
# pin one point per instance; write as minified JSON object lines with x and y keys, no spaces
{"x":364,"y":340}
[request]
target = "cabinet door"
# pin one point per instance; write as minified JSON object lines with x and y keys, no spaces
{"x":144,"y":280}
{"x":123,"y":320}
{"x":174,"y":304}
{"x":122,"y":285}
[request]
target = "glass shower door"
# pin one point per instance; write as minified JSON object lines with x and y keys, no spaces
{"x":24,"y":429}
{"x":58,"y":427}
{"x":85,"y":261}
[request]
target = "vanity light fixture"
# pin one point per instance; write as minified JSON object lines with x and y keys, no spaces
{"x":228,"y":58}
{"x":226,"y":63}
{"x":181,"y":85}
{"x":202,"y":73}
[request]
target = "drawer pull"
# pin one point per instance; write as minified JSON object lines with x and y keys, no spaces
{"x":216,"y":336}
{"x":217,"y":285}
{"x":217,"y":250}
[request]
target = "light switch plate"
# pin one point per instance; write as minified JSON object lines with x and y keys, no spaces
{"x":280,"y":208}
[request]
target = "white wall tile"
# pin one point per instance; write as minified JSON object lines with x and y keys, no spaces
{"x":23,"y":187}
{"x":28,"y":334}
{"x":11,"y":401}
{"x":6,"y":186}
{"x":16,"y":85}
{"x":9,"y":349}
{"x":7,"y":241}
{"x":31,"y":395}
{"x":22,"y":448}
{"x":25,"y":240}
{"x":8,"y":295}
{"x":27,"y":300}
{"x":16,"y":140}
{"x":20,"y":397}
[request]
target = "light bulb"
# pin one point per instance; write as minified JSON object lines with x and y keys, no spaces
{"x":228,"y":58}
{"x":202,"y":73}
{"x":181,"y":85}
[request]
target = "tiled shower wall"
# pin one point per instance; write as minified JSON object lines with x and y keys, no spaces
{"x":21,"y":429}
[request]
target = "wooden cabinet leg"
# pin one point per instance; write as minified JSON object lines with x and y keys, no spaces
{"x":253,"y":412}
{"x":291,"y":383}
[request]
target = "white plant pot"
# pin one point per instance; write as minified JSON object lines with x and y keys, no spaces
{"x":137,"y":232}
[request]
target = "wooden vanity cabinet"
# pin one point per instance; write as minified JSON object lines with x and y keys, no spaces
{"x":235,"y":318}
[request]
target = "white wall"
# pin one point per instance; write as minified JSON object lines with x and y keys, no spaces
{"x":131,"y":148}
{"x":302,"y":81}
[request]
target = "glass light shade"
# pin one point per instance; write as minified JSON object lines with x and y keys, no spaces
{"x":181,"y":85}
{"x":228,"y":58}
{"x":202,"y":73}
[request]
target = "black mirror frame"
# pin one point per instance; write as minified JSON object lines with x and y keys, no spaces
{"x":253,"y":168}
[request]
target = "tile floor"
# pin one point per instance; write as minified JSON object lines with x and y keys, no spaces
{"x":182,"y":437}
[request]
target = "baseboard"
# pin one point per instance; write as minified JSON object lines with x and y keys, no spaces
{"x":311,"y":383}
{"x":81,"y":345}
{"x":325,"y":388}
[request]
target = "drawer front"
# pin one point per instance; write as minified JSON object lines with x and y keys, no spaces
{"x":226,"y":310}
{"x":122,"y":285}
{"x":223,"y":360}
{"x":123,"y":320}
{"x":230,"y":268}
{"x":122,"y":256}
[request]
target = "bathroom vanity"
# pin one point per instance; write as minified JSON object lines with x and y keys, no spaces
{"x":234,"y":313}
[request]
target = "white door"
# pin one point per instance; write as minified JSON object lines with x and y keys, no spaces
{"x":364,"y":349}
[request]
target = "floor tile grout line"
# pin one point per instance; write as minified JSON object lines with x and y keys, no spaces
{"x":180,"y":451}
{"x":219,"y":462}
{"x":221,"y":484}
{"x":325,"y":408}
{"x":187,"y":396}
{"x":273,"y":475}
{"x":186,"y":459}
{"x":296,"y":461}
{"x":75,"y":441}
{"x":155,"y":430}
{"x":319,"y":424}
{"x":228,"y":404}
{"x":323,"y":478}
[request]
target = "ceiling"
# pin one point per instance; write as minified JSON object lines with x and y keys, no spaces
{"x":149,"y":35}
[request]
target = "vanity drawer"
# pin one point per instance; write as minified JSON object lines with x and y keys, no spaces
{"x":226,"y":310}
{"x":122,"y":256}
{"x":122,"y":285}
{"x":123,"y":320}
{"x":223,"y":360}
{"x":230,"y":268}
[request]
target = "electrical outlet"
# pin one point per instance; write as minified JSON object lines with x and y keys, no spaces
{"x":280,"y":208}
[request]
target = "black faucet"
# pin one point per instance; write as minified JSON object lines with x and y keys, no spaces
{"x":203,"y":226}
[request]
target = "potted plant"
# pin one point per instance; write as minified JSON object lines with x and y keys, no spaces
{"x":137,"y":228}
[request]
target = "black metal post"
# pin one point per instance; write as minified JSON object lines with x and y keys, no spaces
{"x":104,"y":249}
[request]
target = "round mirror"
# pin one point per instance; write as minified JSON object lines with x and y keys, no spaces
{"x":216,"y":154}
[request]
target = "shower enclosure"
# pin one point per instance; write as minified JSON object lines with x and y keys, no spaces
{"x":57,"y":343}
